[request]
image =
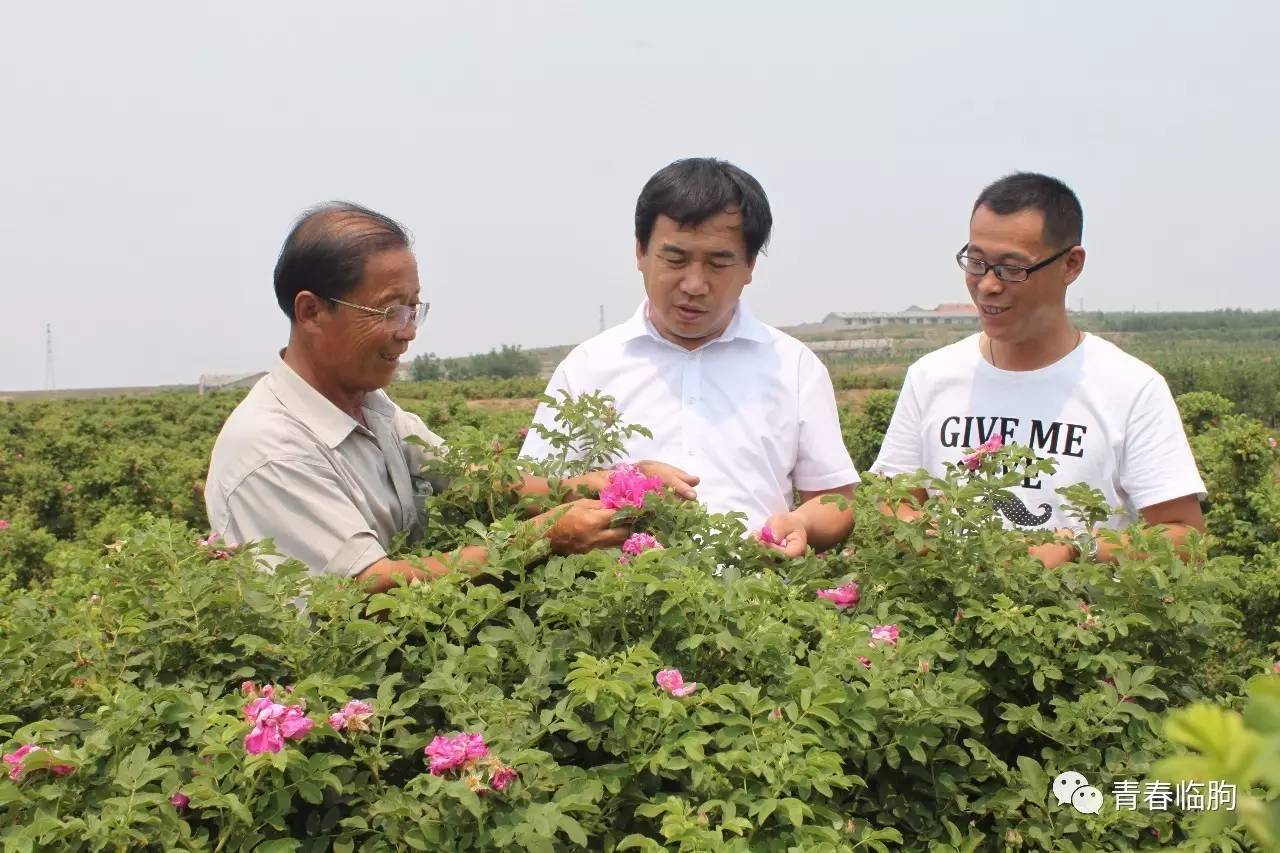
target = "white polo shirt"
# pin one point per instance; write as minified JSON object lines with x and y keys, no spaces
{"x":752,"y":413}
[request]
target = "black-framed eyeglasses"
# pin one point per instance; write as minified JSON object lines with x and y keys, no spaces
{"x":397,"y":317}
{"x":1004,"y":272}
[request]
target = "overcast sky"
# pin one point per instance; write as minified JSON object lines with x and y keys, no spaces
{"x":153,"y":157}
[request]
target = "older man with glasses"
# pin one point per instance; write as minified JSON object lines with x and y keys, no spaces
{"x":317,"y":457}
{"x":1031,"y":377}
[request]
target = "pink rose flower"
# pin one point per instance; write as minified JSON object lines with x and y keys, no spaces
{"x":502,"y":777}
{"x":924,"y":665}
{"x":68,"y":488}
{"x":627,"y":487}
{"x":354,"y":716}
{"x":179,"y":800}
{"x":841,"y":596}
{"x":865,"y":661}
{"x":14,"y":760}
{"x":673,"y":682}
{"x":263,"y":738}
{"x":273,"y":723}
{"x":637,"y":544}
{"x":766,"y":536}
{"x":294,"y":723}
{"x":452,"y":751}
{"x":248,"y":688}
{"x":522,"y":433}
{"x":991,"y":445}
{"x":4,"y":525}
{"x":1275,"y":667}
{"x":885,"y":634}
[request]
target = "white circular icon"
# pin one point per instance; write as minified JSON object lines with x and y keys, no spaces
{"x":1087,"y":800}
{"x":1066,"y":784}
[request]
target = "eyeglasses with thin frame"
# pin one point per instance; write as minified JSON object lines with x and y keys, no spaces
{"x":1004,"y":272}
{"x":397,"y":317}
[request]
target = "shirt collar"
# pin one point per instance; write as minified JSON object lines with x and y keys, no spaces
{"x":317,"y":413}
{"x":743,"y":325}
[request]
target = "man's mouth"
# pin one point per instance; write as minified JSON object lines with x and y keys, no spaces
{"x":993,"y":310}
{"x":394,"y":359}
{"x":688,"y":313}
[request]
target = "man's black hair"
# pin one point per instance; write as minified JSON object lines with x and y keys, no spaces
{"x":694,"y":190}
{"x":326,"y":251}
{"x":1063,"y":217}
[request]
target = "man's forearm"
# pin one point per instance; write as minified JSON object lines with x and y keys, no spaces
{"x":385,"y":573}
{"x":825,"y":523}
{"x":1175,"y":533}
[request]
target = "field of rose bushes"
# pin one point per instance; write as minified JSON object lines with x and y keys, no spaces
{"x":917,"y":688}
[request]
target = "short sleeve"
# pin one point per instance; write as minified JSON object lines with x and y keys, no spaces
{"x":1157,"y":464}
{"x":535,"y":446}
{"x":822,"y":460}
{"x":304,"y":508}
{"x":902,"y":450}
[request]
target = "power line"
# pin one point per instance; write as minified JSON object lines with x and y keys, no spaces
{"x":48,"y":357}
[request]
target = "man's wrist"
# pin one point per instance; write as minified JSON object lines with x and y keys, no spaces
{"x":1084,"y":546}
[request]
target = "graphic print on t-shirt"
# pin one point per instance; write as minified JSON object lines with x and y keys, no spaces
{"x":1056,"y":438}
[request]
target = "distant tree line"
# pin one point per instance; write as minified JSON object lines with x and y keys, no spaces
{"x":505,"y":363}
{"x":1225,"y":319}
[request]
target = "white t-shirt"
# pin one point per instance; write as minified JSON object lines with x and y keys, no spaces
{"x":1107,"y":418}
{"x":752,"y":413}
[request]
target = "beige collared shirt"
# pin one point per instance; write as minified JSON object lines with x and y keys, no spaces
{"x":291,"y":466}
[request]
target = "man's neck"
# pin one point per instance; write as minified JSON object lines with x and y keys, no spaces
{"x":348,"y":401}
{"x":688,"y":343}
{"x":1035,"y":353}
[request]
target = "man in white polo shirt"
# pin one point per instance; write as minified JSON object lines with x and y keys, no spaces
{"x":747,"y":408}
{"x":1031,"y":377}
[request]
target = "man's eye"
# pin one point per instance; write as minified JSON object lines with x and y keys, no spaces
{"x":675,"y":262}
{"x":721,"y":266}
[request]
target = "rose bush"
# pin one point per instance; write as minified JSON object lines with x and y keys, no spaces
{"x":918,"y":687}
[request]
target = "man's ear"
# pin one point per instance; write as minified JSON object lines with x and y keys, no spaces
{"x":640,"y":253}
{"x":751,"y":269}
{"x":1074,"y":265}
{"x":307,"y":308}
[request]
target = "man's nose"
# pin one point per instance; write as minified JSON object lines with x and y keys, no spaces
{"x":990,"y":285}
{"x":408,"y":333}
{"x":694,"y":281}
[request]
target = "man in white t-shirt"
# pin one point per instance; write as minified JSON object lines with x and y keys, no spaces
{"x":749,"y":408}
{"x":1032,"y":378}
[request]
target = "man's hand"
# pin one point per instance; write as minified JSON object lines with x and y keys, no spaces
{"x":788,"y":529}
{"x":581,"y":526}
{"x":1057,"y":553}
{"x":672,"y":477}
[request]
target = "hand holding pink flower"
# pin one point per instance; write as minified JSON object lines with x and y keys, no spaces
{"x":627,"y":487}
